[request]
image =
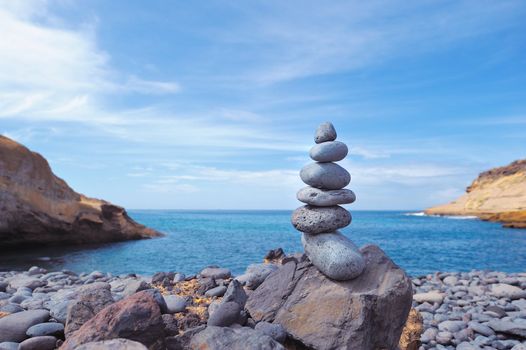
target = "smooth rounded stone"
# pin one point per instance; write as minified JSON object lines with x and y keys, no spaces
{"x":39,"y":343}
{"x":325,"y":198}
{"x":216,"y":273}
{"x":49,"y":328}
{"x":451,"y":326}
{"x":433,"y":296}
{"x":481,"y":328}
{"x":327,"y":176}
{"x":275,"y":331}
{"x":502,"y":290}
{"x":175,"y":303}
{"x":35,"y":270}
{"x":334,"y":255}
{"x":429,"y":335}
{"x":465,"y":345}
{"x":3,"y":286}
{"x":179,"y":277}
{"x":314,"y":220}
{"x":4,"y":295}
{"x":325,"y":132}
{"x":9,"y":345}
{"x":13,"y":327}
{"x":444,"y":338}
{"x":451,"y":280}
{"x":225,"y":315}
{"x":331,"y":151}
{"x":218,"y":291}
{"x":114,"y":344}
{"x":11,"y":308}
{"x":516,"y":327}
{"x":18,"y":298}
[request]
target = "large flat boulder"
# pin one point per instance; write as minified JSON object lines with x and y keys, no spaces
{"x":368,"y":312}
{"x":38,"y":208}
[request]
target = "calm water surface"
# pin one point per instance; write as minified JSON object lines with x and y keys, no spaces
{"x":234,"y":239}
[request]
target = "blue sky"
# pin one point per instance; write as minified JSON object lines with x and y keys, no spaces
{"x":213,"y":105}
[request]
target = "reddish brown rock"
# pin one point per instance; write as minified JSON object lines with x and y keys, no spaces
{"x":136,"y":318}
{"x":90,"y":299}
{"x":368,"y":312}
{"x":37,"y":207}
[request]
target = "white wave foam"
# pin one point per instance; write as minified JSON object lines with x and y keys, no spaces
{"x":420,"y":213}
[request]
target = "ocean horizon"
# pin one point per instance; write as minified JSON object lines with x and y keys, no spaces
{"x":235,"y":239}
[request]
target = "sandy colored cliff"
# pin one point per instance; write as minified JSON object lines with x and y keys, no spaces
{"x":498,"y":194}
{"x":37,"y":207}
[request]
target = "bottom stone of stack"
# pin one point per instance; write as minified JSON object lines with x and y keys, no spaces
{"x":335,"y":255}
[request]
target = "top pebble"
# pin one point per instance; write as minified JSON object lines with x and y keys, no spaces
{"x":325,"y":132}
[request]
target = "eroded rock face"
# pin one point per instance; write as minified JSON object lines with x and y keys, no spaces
{"x":37,"y":207}
{"x":137,"y":318}
{"x":368,"y":312}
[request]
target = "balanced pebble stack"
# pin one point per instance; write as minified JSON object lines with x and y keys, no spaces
{"x":332,"y":253}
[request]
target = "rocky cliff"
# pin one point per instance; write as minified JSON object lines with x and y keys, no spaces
{"x":37,"y":207}
{"x":498,"y":194}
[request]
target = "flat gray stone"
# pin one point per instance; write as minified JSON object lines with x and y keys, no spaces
{"x":334,"y":255}
{"x":13,"y":328}
{"x":502,"y":290}
{"x":314,"y":220}
{"x":242,"y":338}
{"x":218,"y":291}
{"x":325,"y":132}
{"x":517,"y":327}
{"x":216,"y":273}
{"x":327,"y":176}
{"x":331,"y":151}
{"x":39,"y":343}
{"x":9,"y":345}
{"x":48,"y":328}
{"x":325,"y":198}
{"x":175,"y":303}
{"x":114,"y":344}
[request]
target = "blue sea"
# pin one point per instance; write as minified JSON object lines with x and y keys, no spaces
{"x":235,"y":239}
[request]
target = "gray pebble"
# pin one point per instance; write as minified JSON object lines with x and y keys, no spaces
{"x":332,"y":151}
{"x":334,"y":255}
{"x":328,"y":176}
{"x":314,"y":220}
{"x":218,"y":291}
{"x":325,"y":132}
{"x":325,"y":198}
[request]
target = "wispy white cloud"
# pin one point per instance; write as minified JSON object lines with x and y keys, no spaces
{"x":48,"y":70}
{"x":299,"y":41}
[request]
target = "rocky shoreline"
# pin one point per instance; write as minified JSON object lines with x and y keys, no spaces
{"x":46,"y":310}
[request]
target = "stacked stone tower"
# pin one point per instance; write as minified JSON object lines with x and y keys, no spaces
{"x":332,"y":253}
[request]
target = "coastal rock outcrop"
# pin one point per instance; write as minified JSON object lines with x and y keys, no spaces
{"x":367,"y":312}
{"x":498,"y":195}
{"x":37,"y":207}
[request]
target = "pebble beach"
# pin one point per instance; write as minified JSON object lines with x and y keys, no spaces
{"x":467,"y":310}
